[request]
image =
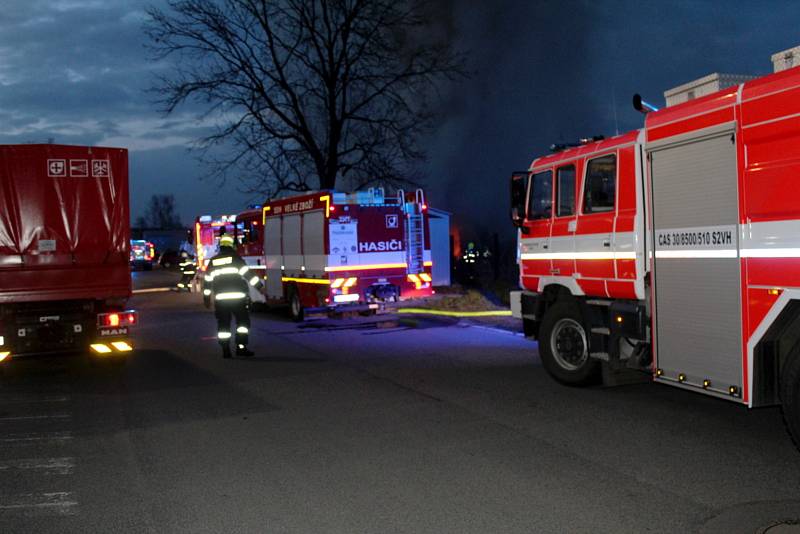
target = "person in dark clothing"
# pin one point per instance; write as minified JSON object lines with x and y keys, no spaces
{"x":188,"y":270}
{"x":229,"y":279}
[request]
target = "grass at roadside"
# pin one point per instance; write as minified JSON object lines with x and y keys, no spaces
{"x":460,"y":300}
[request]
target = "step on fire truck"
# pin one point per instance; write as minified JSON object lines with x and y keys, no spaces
{"x":334,"y":252}
{"x":674,"y":250}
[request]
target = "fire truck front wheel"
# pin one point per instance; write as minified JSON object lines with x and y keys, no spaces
{"x":564,"y":346}
{"x":790,"y":394}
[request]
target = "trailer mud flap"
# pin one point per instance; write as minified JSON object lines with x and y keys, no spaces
{"x":697,"y":281}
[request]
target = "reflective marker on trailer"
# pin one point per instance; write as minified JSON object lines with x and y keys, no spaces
{"x":121,"y":346}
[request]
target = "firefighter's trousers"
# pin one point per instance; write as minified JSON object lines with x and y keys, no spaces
{"x":186,"y":281}
{"x":224,"y":311}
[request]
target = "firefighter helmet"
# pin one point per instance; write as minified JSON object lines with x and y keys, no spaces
{"x":226,"y":241}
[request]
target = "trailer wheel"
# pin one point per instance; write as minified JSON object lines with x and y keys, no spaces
{"x":790,"y":394}
{"x":295,"y":306}
{"x":564,"y":346}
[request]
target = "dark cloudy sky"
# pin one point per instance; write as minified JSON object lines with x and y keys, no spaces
{"x":76,"y":71}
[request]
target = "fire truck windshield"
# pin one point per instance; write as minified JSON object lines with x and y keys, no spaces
{"x":540,"y":204}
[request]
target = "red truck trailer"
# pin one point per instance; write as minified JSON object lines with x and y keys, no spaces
{"x":64,"y":250}
{"x":674,"y":249}
{"x":331,"y":252}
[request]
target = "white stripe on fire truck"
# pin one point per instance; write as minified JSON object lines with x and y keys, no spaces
{"x":698,"y":253}
{"x":770,"y":252}
{"x":578,"y":256}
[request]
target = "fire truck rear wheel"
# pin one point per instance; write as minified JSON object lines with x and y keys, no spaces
{"x":564,"y":346}
{"x":790,"y":394}
{"x":295,"y":306}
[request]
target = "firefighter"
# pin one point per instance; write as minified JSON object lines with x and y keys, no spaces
{"x":230,"y":279}
{"x":188,"y":269}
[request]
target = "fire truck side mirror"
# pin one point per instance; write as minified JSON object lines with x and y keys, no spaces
{"x":519,"y":182}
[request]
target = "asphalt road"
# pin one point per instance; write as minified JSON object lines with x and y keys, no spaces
{"x":370,"y":426}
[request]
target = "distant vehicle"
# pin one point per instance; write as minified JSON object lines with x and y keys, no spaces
{"x":64,"y":250}
{"x":143,"y":254}
{"x":673,"y":250}
{"x":169,"y":259}
{"x":332,"y":252}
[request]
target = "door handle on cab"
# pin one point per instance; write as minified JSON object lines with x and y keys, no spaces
{"x":606,"y":243}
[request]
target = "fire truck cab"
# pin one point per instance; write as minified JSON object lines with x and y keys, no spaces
{"x":673,"y":250}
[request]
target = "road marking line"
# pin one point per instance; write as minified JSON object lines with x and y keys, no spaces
{"x":34,"y":417}
{"x":59,"y":437}
{"x":151,"y":290}
{"x":33,"y":401}
{"x":59,"y":502}
{"x":499,"y":330}
{"x":56,"y":466}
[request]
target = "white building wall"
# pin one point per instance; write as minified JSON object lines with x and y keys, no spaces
{"x":439,"y":225}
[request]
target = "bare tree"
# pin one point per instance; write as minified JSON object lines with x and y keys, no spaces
{"x":160,"y":214}
{"x":313,"y":92}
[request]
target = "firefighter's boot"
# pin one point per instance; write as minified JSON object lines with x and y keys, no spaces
{"x":242,"y":350}
{"x":226,"y":351}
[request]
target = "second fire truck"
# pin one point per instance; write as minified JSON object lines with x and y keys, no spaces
{"x":331,"y":251}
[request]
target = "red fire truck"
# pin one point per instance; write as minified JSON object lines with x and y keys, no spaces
{"x":64,"y":250}
{"x":674,"y":249}
{"x":207,"y":230}
{"x":330,"y":251}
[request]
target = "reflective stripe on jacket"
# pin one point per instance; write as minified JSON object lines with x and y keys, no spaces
{"x":229,"y":276}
